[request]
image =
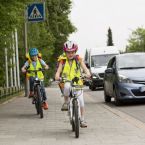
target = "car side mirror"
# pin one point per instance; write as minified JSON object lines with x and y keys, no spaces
{"x":109,"y":70}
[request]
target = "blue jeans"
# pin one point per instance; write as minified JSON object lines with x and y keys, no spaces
{"x":31,"y":80}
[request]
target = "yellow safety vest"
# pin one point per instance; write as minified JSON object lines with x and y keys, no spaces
{"x":39,"y":73}
{"x":71,"y":71}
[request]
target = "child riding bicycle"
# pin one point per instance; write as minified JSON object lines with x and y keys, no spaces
{"x":35,"y":62}
{"x":70,"y":66}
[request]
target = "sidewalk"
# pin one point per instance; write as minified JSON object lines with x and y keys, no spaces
{"x":19,"y":124}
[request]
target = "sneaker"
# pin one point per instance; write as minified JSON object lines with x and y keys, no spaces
{"x":31,"y":94}
{"x":33,"y":101}
{"x":83,"y":124}
{"x":64,"y":107}
{"x":45,"y":105}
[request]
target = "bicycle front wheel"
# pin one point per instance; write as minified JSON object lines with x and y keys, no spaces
{"x":39,"y":102}
{"x":37,"y":107}
{"x":76,"y":118}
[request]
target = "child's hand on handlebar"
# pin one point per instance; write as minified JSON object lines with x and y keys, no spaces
{"x":88,"y":76}
{"x":46,"y":67}
{"x":57,"y":78}
{"x":24,"y":70}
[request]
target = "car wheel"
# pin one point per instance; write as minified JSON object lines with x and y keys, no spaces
{"x":107,"y":98}
{"x":91,"y":87}
{"x":116,"y":100}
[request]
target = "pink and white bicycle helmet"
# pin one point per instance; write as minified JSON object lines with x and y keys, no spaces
{"x":70,"y":46}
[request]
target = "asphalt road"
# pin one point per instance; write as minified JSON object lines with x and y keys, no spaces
{"x":134,"y":109}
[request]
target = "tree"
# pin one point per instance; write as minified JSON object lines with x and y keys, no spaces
{"x":58,"y":22}
{"x":136,"y":42}
{"x":11,"y":16}
{"x":109,"y":35}
{"x":47,"y":36}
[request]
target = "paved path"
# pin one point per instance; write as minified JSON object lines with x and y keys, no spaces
{"x":19,"y":124}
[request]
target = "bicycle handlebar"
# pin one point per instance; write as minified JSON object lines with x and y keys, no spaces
{"x":74,"y":80}
{"x":41,"y":69}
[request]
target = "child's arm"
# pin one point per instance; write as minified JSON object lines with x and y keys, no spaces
{"x":23,"y":69}
{"x":59,"y":70}
{"x":44,"y":64}
{"x":85,"y":69}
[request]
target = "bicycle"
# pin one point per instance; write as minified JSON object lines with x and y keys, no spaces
{"x":38,"y":93}
{"x":74,"y":106}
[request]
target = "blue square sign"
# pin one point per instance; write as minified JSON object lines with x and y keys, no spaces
{"x":36,"y":12}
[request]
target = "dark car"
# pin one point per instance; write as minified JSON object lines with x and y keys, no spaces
{"x":124,"y":78}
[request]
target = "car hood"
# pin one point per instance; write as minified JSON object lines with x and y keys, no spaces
{"x":99,"y":69}
{"x":133,"y":74}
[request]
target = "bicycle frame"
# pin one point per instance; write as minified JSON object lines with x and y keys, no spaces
{"x":36,"y":83}
{"x":74,"y":110}
{"x":38,"y":93}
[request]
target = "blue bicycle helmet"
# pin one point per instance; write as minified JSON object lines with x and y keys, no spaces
{"x":33,"y":52}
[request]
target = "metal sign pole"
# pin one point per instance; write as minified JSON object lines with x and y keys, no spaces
{"x":35,"y":13}
{"x":26,"y":50}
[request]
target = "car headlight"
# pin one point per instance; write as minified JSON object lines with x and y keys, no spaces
{"x":95,"y":76}
{"x":124,"y":79}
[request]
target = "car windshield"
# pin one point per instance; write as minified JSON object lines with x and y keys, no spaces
{"x":100,"y":60}
{"x":131,"y":61}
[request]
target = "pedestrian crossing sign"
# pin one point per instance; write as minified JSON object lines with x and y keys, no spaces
{"x":36,"y":12}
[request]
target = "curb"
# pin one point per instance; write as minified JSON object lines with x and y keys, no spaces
{"x":126,"y":117}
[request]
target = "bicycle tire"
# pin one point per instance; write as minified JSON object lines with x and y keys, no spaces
{"x":71,"y":120}
{"x":39,"y":102}
{"x":76,"y":118}
{"x":36,"y":101}
{"x":37,"y":107}
{"x":73,"y":125}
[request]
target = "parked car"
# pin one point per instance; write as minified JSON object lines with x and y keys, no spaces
{"x":124,"y":78}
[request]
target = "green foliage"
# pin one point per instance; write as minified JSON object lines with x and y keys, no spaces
{"x":136,"y":41}
{"x":109,"y":35}
{"x":11,"y":14}
{"x":59,"y":23}
{"x":47,"y":36}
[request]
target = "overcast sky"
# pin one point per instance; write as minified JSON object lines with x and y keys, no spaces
{"x":92,"y":19}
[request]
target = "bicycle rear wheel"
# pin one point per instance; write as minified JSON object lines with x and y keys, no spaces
{"x":39,"y":102}
{"x":76,"y":118}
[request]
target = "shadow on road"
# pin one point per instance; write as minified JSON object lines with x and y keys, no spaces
{"x":19,"y":116}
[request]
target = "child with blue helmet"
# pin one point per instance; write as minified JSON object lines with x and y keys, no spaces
{"x":35,"y":63}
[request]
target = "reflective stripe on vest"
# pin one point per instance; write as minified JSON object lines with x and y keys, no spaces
{"x":39,"y":73}
{"x":71,"y":71}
